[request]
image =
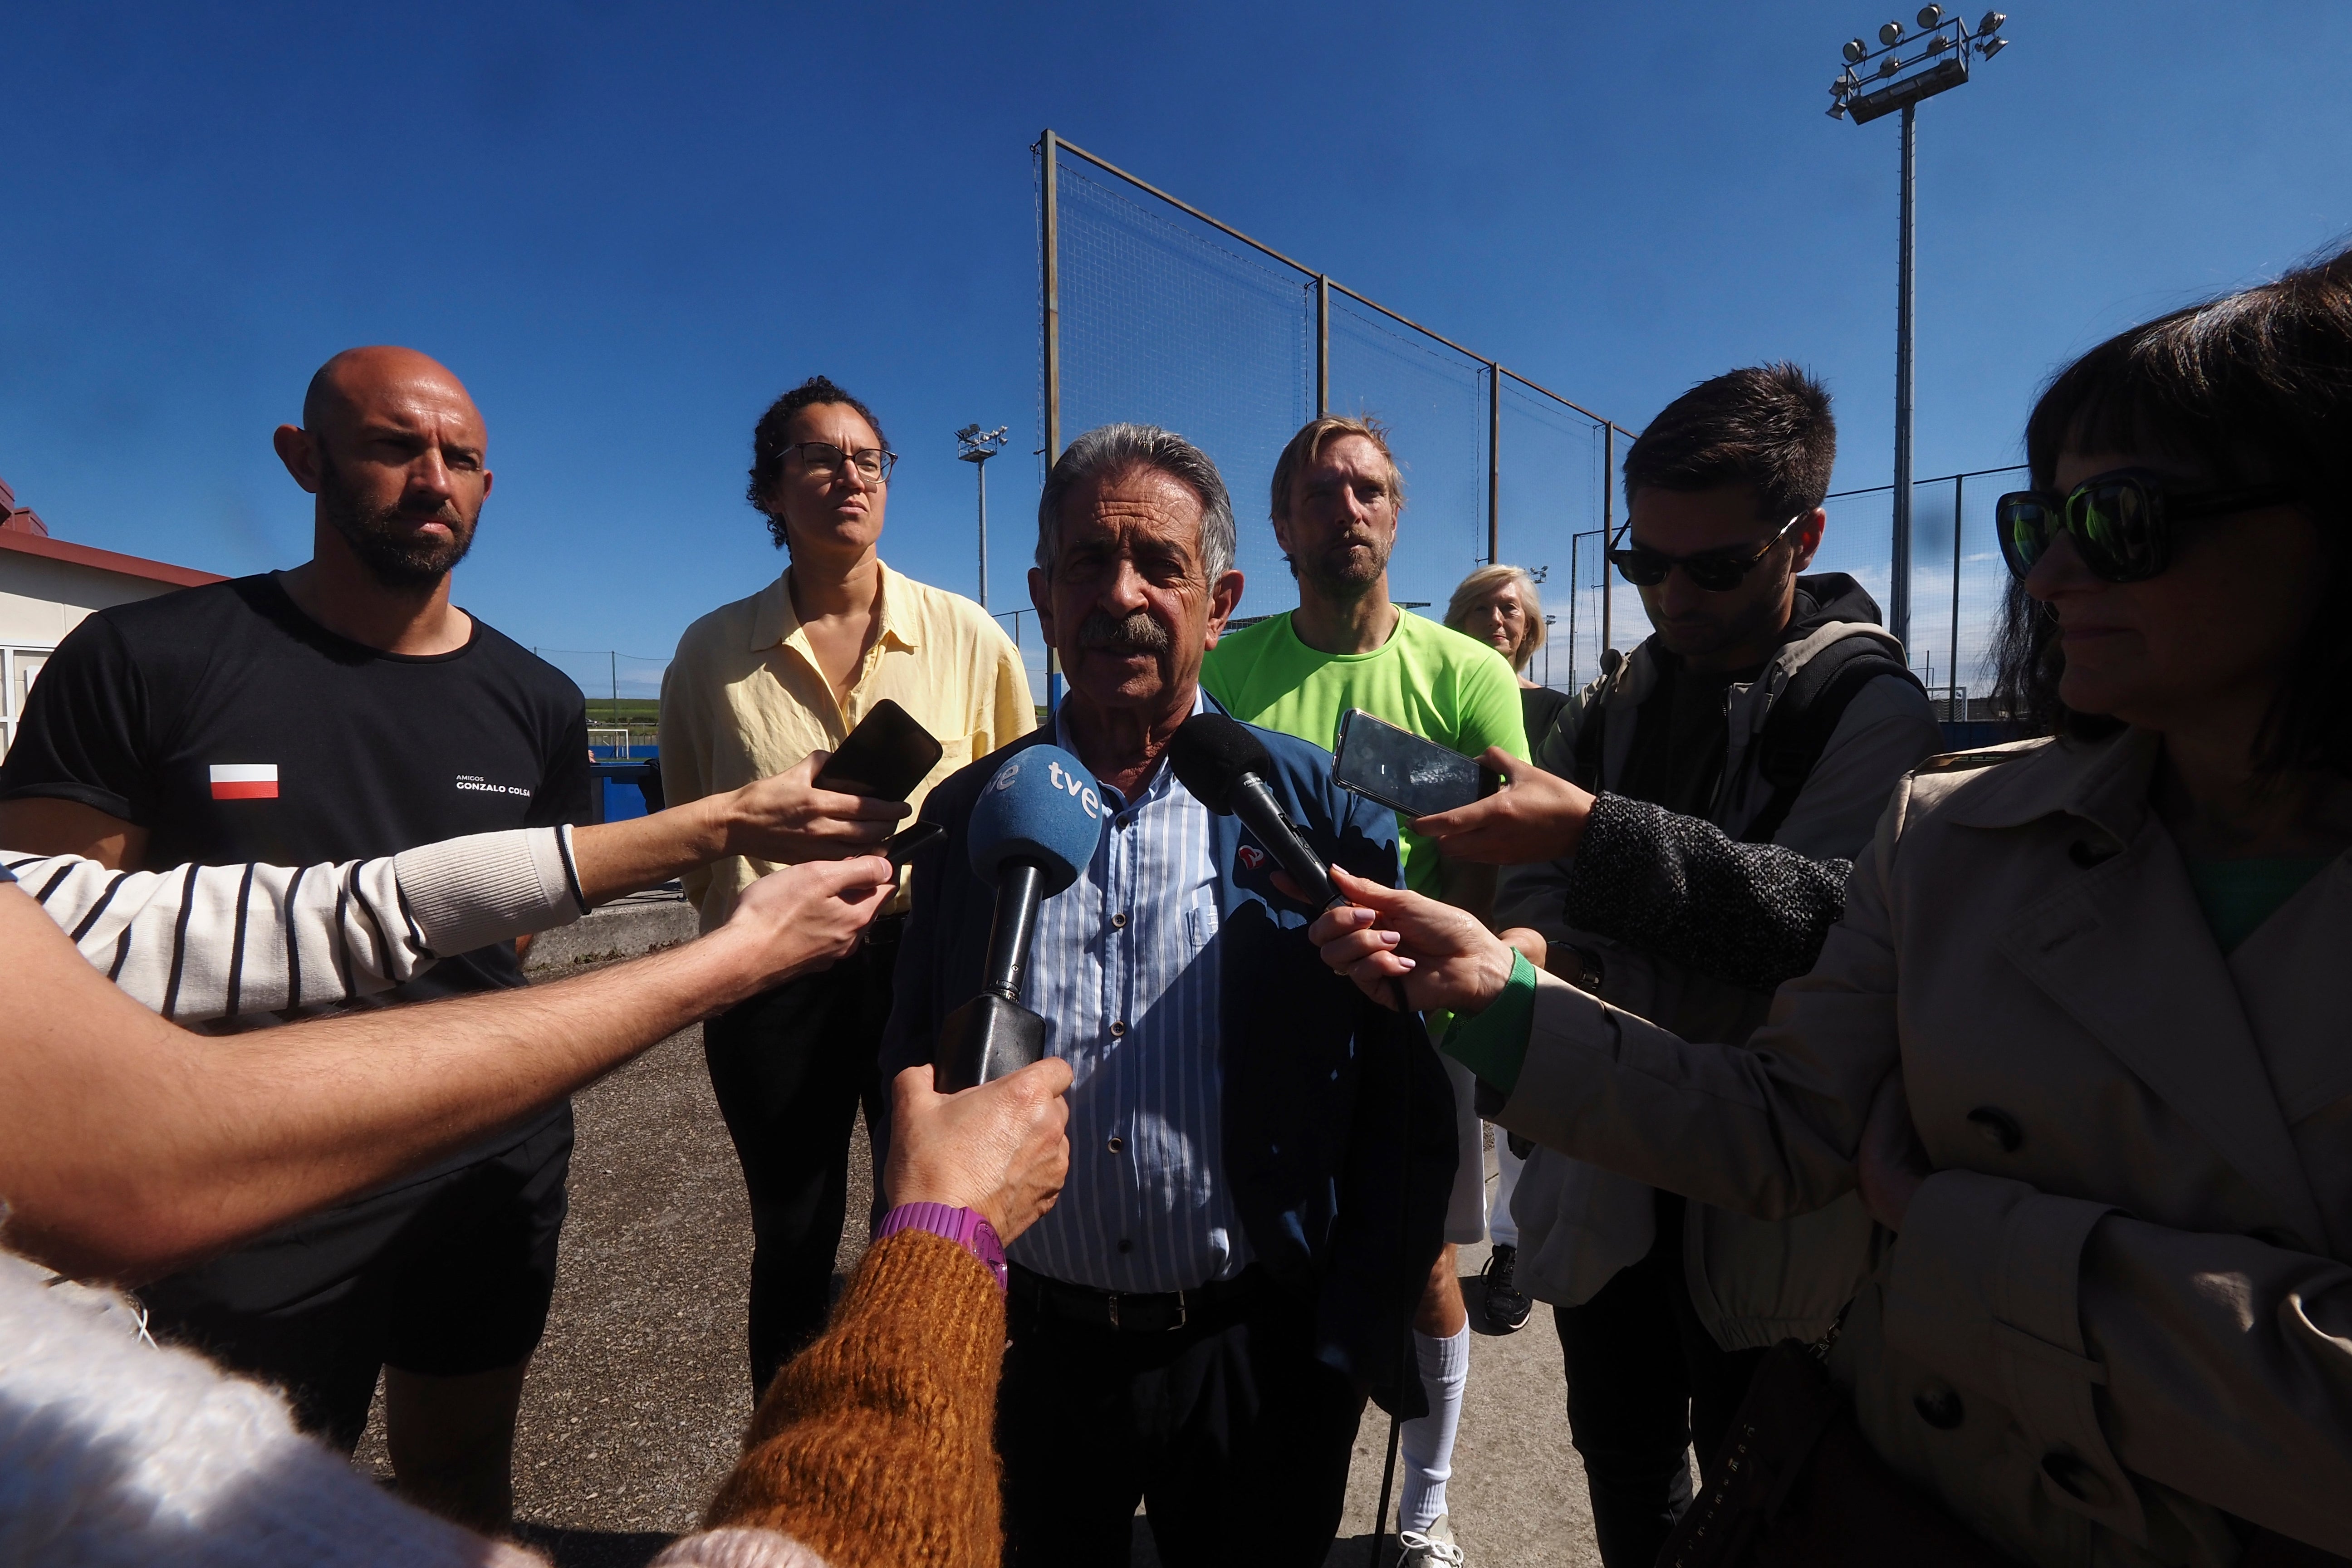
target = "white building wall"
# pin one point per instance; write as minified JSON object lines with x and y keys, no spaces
{"x":40,"y":601}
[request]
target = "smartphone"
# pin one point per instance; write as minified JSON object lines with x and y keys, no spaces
{"x":909,"y":838}
{"x":1401,"y":771}
{"x":885,"y":756}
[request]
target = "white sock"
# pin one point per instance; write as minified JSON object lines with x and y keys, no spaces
{"x":1427,"y":1445}
{"x":1501,"y":1228}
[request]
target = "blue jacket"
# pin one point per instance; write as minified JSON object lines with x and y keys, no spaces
{"x":1341,"y":1193}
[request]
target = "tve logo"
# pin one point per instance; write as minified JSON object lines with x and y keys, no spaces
{"x":1069,"y":784}
{"x":245,"y":780}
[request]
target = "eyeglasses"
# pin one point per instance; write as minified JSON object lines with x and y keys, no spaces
{"x":2124,"y":524}
{"x":1716,"y":571}
{"x":824,"y":459}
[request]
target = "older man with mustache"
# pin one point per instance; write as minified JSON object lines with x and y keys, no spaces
{"x":1248,"y":1216}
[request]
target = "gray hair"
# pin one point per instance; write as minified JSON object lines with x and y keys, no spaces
{"x":1109,"y":449}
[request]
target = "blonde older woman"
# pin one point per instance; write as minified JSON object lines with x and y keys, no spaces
{"x":1498,"y":605}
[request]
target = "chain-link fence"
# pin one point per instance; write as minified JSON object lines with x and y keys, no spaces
{"x":1155,"y":311}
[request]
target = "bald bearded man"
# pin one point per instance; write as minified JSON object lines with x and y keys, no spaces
{"x":341,"y":709}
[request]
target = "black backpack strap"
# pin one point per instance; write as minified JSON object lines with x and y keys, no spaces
{"x":1592,"y":724}
{"x":1806,"y":715}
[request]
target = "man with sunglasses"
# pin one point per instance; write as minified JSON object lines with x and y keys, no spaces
{"x":1766,"y":706}
{"x":755,"y":687}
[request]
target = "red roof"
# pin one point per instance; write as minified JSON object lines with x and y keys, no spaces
{"x":22,"y":530}
{"x":30,"y":543}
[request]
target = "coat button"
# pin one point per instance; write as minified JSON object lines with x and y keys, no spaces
{"x":1997,"y":1127}
{"x":2077,"y":1480}
{"x":1117,"y":1028}
{"x":1117,"y":1143}
{"x":1940,"y":1407}
{"x":1119,"y":920}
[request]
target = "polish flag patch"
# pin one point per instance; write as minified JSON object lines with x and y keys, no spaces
{"x":245,"y":780}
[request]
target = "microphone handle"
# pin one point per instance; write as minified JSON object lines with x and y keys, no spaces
{"x":1256,"y":805}
{"x":1020,"y":887}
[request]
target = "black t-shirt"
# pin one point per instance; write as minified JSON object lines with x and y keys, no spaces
{"x":232,"y":727}
{"x":1539,"y":706}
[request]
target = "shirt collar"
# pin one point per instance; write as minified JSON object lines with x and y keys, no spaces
{"x":774,"y":621}
{"x":1163,"y":777}
{"x":2101,"y":782}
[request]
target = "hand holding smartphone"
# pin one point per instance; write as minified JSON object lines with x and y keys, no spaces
{"x":1403,"y":771}
{"x":885,"y":756}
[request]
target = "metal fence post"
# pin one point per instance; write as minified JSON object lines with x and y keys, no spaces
{"x":1322,"y":345}
{"x":1952,"y":699}
{"x":1898,"y":597}
{"x":1053,"y":304}
{"x":1608,"y":519}
{"x":1494,"y":462}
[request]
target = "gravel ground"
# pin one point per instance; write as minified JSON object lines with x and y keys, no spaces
{"x":639,"y":1392}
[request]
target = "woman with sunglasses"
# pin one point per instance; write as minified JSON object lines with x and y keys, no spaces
{"x":2080,"y":1037}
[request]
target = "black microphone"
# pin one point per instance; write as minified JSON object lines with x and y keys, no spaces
{"x":1035,"y":825}
{"x":1224,"y":766}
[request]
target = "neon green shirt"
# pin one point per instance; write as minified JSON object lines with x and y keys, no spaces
{"x":1429,"y":679}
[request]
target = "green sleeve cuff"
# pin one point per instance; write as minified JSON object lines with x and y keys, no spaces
{"x":1493,"y":1043}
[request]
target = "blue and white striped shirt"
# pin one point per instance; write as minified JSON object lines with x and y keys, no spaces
{"x":1124,"y":972}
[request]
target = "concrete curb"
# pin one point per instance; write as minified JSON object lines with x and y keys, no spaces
{"x":615,"y":931}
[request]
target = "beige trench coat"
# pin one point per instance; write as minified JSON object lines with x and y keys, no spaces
{"x":2120,"y":1311}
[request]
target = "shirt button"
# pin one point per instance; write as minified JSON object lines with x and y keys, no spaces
{"x":1117,"y":1143}
{"x":1117,"y":1028}
{"x":1119,"y":920}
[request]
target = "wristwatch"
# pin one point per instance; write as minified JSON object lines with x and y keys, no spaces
{"x":968,"y":1229}
{"x":1579,"y":966}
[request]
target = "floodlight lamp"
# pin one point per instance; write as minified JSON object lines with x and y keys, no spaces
{"x":1837,"y":111}
{"x":1853,"y":51}
{"x":1930,"y":16}
{"x":1889,"y":66}
{"x":1992,"y":48}
{"x":1939,"y":44}
{"x":1891,"y":34}
{"x":1991,"y":22}
{"x":967,"y":433}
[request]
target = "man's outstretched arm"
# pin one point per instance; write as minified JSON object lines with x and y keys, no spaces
{"x":129,"y":1146}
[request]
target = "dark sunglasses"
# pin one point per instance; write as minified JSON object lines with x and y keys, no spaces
{"x":2124,"y":524}
{"x":1716,"y":571}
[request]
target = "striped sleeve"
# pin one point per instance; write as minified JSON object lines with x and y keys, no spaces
{"x":201,"y":942}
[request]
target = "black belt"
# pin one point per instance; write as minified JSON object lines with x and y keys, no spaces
{"x":1131,"y":1313}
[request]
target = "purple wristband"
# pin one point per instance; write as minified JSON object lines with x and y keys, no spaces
{"x":966,"y":1227}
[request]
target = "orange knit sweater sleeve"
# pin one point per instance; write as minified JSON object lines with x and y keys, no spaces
{"x":875,"y":1445}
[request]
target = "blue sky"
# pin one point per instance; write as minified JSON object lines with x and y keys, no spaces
{"x":627,"y":228}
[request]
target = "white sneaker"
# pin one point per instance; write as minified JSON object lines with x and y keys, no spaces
{"x":1431,"y":1548}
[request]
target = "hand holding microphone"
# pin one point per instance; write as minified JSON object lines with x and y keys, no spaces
{"x":1036,"y":823}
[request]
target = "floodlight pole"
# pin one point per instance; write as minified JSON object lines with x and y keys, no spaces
{"x":1898,"y":595}
{"x":1946,"y":46}
{"x":975,"y":447}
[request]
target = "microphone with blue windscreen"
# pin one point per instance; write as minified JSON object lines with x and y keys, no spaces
{"x":1033,"y":828}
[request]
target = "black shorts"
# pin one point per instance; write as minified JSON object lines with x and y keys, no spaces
{"x":446,"y":1274}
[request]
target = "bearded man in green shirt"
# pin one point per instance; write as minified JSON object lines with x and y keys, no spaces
{"x":1335,"y":499}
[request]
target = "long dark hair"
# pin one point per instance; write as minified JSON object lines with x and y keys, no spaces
{"x":2253,"y":388}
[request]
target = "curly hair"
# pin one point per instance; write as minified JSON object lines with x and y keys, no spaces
{"x":2252,"y":387}
{"x":768,"y":445}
